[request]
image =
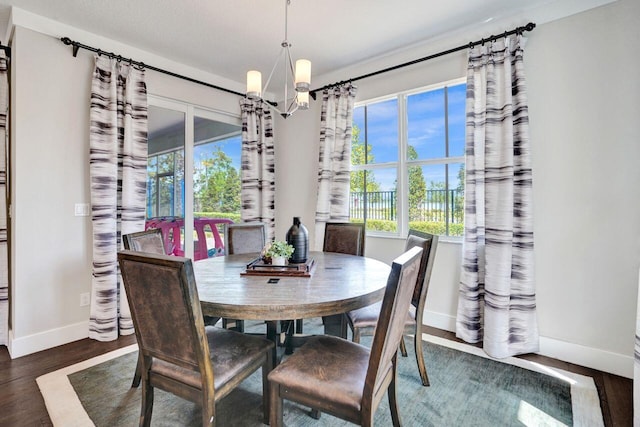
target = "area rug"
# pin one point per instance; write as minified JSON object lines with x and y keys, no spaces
{"x":467,"y":389}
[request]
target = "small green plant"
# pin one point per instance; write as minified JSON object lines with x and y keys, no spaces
{"x":279,"y":249}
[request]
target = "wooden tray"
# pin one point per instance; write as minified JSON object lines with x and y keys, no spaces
{"x":257,"y":267}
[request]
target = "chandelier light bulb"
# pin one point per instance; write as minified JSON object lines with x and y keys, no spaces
{"x":303,"y":75}
{"x":254,"y":84}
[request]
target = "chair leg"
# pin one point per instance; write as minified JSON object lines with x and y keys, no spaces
{"x":210,"y":320}
{"x":403,"y":348}
{"x":233,"y":324}
{"x":138,"y":374}
{"x":147,"y":405}
{"x":356,"y":335}
{"x":417,"y":342}
{"x":266,"y":368}
{"x":393,"y":398}
{"x":208,"y":413}
{"x":275,"y":406}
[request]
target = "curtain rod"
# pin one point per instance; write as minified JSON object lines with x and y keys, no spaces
{"x":519,"y":30}
{"x":141,"y":65}
{"x":76,"y":46}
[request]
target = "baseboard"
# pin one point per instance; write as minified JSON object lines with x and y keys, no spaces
{"x":602,"y":360}
{"x":23,"y":346}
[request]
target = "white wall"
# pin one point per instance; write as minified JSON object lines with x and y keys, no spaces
{"x":51,"y":262}
{"x":584,"y":131}
{"x":583,"y":91}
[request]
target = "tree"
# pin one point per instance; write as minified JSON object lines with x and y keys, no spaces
{"x":417,"y":186}
{"x":358,"y":157}
{"x":218,"y":184}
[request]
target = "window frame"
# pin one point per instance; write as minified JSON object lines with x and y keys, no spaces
{"x":402,"y":165}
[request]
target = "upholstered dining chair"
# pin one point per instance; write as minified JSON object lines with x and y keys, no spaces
{"x":145,"y":241}
{"x":243,"y":238}
{"x":180,"y":354}
{"x":363,"y":321}
{"x":150,"y":241}
{"x":345,"y":238}
{"x":346,"y":379}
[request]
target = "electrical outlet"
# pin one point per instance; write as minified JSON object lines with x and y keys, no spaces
{"x":84,"y":299}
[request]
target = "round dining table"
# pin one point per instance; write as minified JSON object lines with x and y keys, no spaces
{"x":337,"y":283}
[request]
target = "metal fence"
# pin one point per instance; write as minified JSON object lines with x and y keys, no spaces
{"x":382,"y":205}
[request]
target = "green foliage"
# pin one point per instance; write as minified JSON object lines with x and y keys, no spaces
{"x":431,"y":227}
{"x":381,"y":225}
{"x":359,"y":157}
{"x":217,"y":186}
{"x":212,"y":214}
{"x":438,"y":228}
{"x":279,"y":248}
{"x":417,"y":185}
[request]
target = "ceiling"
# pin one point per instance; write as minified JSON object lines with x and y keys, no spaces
{"x":229,"y":37}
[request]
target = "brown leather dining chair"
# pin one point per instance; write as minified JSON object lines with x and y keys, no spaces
{"x":180,"y":354}
{"x":346,"y":379}
{"x":363,"y":321}
{"x":243,"y":238}
{"x":150,"y":241}
{"x":345,"y":238}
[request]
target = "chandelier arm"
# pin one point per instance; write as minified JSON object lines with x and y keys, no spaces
{"x":275,"y":65}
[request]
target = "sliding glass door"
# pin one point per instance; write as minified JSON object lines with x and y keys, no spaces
{"x":193,"y":176}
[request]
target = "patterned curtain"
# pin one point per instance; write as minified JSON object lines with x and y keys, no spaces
{"x":334,"y":161}
{"x":258,"y":165}
{"x":118,"y":173}
{"x":4,"y":255}
{"x":496,"y":302}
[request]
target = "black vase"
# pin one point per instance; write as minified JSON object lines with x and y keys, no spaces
{"x":298,"y":237}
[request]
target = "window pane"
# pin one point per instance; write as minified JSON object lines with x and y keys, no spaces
{"x":152,"y":188}
{"x":426,"y":125}
{"x":374,"y":199}
{"x":456,"y":199}
{"x":428,"y":198}
{"x":382,"y":131}
{"x":456,"y":96}
{"x":357,"y":137}
{"x":165,"y":174}
{"x":216,"y":182}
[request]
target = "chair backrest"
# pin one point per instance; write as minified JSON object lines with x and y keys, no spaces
{"x":244,"y":237}
{"x":393,"y":313}
{"x":344,"y":238}
{"x":163,"y":298}
{"x":149,"y":241}
{"x":429,"y":244}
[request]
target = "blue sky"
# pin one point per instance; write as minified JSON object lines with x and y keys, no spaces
{"x":230,"y":146}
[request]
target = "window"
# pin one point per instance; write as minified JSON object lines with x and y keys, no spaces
{"x":407,"y":161}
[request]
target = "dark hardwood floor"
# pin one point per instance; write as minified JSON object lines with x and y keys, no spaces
{"x":22,"y":405}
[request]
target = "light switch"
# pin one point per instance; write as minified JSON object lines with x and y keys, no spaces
{"x":82,"y":209}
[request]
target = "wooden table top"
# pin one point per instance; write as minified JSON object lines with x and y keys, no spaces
{"x":338,"y":283}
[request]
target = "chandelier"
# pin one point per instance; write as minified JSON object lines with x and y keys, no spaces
{"x":300,"y":77}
